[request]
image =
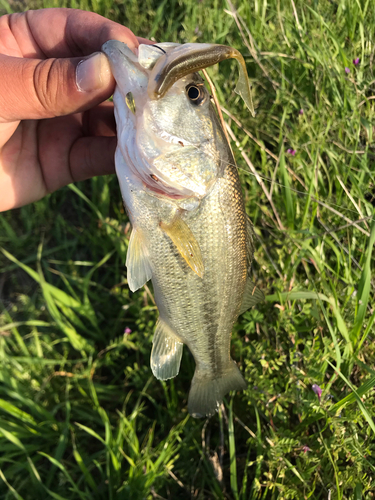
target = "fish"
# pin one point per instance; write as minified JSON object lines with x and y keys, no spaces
{"x":190,"y":235}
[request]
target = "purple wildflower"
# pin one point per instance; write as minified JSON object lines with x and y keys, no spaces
{"x":291,"y":151}
{"x":356,"y":61}
{"x":347,"y":70}
{"x":318,"y":391}
{"x":301,"y":111}
{"x":127,"y":330}
{"x":305,"y":449}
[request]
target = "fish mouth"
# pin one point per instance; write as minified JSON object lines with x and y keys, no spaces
{"x":190,"y":58}
{"x":133,"y":74}
{"x":132,"y":77}
{"x":124,"y":65}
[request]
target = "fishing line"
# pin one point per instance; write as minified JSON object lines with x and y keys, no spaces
{"x":297,"y":191}
{"x":288,"y":232}
{"x":273,"y":181}
{"x":157,"y":46}
{"x":304,"y":193}
{"x":294,"y":189}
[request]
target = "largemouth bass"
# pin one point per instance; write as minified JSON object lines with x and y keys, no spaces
{"x":190,"y":232}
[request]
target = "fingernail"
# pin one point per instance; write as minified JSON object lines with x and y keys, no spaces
{"x":93,"y":73}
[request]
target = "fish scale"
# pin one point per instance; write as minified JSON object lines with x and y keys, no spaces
{"x":201,"y":312}
{"x":190,"y":233}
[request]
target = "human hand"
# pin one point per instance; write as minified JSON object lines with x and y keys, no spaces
{"x":54,"y":126}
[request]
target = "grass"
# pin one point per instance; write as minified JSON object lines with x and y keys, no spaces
{"x":81,"y":416}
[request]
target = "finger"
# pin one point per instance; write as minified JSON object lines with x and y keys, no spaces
{"x":89,"y":157}
{"x":145,"y":41}
{"x":36,"y":89}
{"x":66,"y":156}
{"x":92,"y":156}
{"x":48,"y":33}
{"x":42,"y":156}
{"x":100,"y":121}
{"x":21,"y":178}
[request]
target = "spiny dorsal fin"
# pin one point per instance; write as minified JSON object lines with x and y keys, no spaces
{"x":252,"y":295}
{"x":181,"y":235}
{"x":137,"y":262}
{"x":166,"y":352}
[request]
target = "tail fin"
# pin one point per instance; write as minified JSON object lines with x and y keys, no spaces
{"x":207,"y":392}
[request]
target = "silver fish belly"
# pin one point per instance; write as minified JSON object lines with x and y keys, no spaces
{"x":191,"y":235}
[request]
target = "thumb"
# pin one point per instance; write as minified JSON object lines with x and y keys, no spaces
{"x":36,"y":89}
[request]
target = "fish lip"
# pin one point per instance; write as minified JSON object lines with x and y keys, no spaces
{"x":129,"y":75}
{"x":160,"y":193}
{"x":110,"y":47}
{"x":158,"y":188}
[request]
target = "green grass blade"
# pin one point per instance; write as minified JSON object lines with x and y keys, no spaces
{"x":13,"y":439}
{"x":357,"y":397}
{"x":359,"y":393}
{"x":85,"y":471}
{"x":232,"y":452}
{"x":16,"y":412}
{"x":289,"y":205}
{"x":364,"y":289}
{"x":10,"y":487}
{"x":60,"y":466}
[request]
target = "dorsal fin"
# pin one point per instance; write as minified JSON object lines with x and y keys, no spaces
{"x":252,"y":295}
{"x":249,"y":241}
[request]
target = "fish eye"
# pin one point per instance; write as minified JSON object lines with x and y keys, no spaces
{"x":196,"y":93}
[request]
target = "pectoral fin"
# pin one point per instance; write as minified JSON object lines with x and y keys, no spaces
{"x":181,"y":235}
{"x":252,"y":295}
{"x":137,"y":262}
{"x":166,"y":352}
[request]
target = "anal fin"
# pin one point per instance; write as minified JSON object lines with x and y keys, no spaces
{"x":166,"y":352}
{"x":252,"y":295}
{"x":137,"y":262}
{"x":181,"y":235}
